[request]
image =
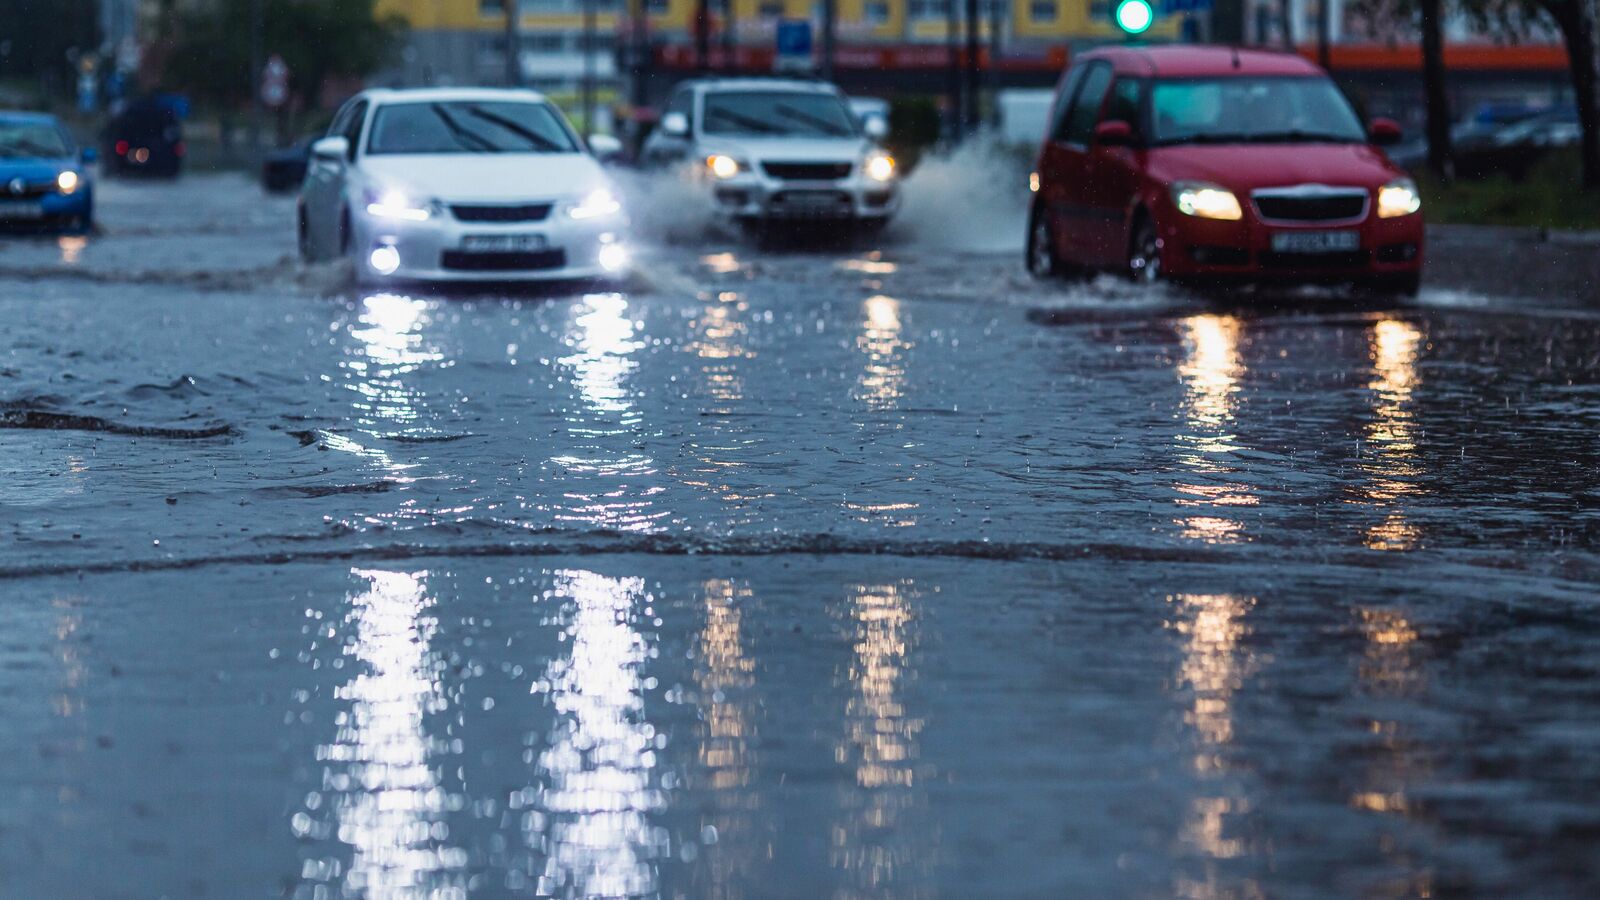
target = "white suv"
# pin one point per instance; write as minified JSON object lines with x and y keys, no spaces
{"x":778,"y":149}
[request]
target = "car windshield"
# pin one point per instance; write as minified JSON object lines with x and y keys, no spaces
{"x":777,"y":113}
{"x":1241,"y":110}
{"x":469,"y":126}
{"x":35,"y":140}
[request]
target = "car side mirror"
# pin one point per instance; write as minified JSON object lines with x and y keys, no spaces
{"x":89,"y":155}
{"x":675,"y":124}
{"x":875,"y":127}
{"x":1115,"y":133}
{"x":1384,"y":132}
{"x":331,"y":148}
{"x":604,"y":147}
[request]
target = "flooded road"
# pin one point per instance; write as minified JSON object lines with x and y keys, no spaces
{"x":856,"y":571}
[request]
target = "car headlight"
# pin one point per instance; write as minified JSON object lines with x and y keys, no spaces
{"x":67,"y":181}
{"x":723,"y":167}
{"x":1207,"y":201}
{"x":394,"y":204}
{"x":1398,"y":198}
{"x":599,"y":203}
{"x":879,"y":166}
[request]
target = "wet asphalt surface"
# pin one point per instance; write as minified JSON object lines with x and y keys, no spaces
{"x":854,"y":570}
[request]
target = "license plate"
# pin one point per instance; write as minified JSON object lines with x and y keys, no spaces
{"x":21,"y":210}
{"x":1316,"y":241}
{"x":811,"y":198}
{"x":503,"y":243}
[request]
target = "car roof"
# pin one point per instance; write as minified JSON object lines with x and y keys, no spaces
{"x":799,"y":86}
{"x":447,"y":95}
{"x":1192,"y":61}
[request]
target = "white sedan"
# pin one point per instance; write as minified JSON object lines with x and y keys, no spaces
{"x":460,"y":185}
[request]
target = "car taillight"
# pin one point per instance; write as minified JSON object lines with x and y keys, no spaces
{"x":179,"y":148}
{"x":122,"y":148}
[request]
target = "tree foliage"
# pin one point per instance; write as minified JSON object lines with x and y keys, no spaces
{"x":318,"y":39}
{"x":36,"y":35}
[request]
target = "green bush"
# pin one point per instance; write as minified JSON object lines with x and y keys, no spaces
{"x":1550,"y":196}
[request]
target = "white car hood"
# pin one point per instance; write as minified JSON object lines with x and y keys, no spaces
{"x":486,"y":177}
{"x":793,"y":149}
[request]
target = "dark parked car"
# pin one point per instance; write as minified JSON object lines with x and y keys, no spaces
{"x":1514,"y":149}
{"x":283,"y":170}
{"x":145,"y":138}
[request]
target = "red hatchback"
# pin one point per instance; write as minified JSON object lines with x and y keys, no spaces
{"x":1209,"y":164}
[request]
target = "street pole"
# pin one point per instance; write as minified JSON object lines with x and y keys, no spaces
{"x":513,"y":43}
{"x":829,"y":26}
{"x":257,"y":26}
{"x":729,"y":46}
{"x":588,"y":68}
{"x":1324,"y":32}
{"x":971,"y":109}
{"x":952,"y":38}
{"x":996,"y":26}
{"x":702,"y":36}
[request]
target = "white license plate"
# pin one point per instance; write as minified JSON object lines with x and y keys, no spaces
{"x":21,"y":210}
{"x":1316,"y":241}
{"x":503,"y":243}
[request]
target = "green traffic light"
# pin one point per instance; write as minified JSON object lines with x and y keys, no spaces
{"x":1135,"y":16}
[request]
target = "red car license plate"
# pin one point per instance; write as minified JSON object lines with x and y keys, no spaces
{"x":1316,"y":241}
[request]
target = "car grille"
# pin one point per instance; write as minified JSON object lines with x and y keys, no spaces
{"x":503,"y":262}
{"x":1312,"y":207}
{"x":528,"y":212}
{"x":807,"y":171}
{"x":29,"y":191}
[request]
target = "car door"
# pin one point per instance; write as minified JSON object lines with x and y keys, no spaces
{"x":1065,"y":160}
{"x":662,"y":149}
{"x":1112,"y":175}
{"x":324,"y":183}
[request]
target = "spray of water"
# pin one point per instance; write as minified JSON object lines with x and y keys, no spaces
{"x":973,"y":198}
{"x":666,"y":206}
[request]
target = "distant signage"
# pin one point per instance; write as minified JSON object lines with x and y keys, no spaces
{"x":793,"y":46}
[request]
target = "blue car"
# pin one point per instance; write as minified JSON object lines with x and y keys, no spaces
{"x":44,"y":178}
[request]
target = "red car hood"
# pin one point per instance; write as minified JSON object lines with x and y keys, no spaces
{"x":1246,"y":167}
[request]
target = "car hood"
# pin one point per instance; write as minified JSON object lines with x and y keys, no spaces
{"x":491,"y":178}
{"x":31,"y":170}
{"x":791,"y":149}
{"x":1243,"y":168}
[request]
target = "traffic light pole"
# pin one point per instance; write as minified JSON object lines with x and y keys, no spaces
{"x":513,"y":43}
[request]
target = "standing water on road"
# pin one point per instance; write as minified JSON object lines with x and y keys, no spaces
{"x":703,"y":588}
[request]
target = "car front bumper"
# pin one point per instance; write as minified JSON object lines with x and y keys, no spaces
{"x":1207,"y":249}
{"x":754,"y":195}
{"x":438,"y":249}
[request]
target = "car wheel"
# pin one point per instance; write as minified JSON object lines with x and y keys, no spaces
{"x":303,"y":233}
{"x":1041,"y":255}
{"x":1144,"y":253}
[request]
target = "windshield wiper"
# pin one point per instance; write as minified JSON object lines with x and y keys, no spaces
{"x":466,"y":135}
{"x":1214,"y":138}
{"x":758,"y":125}
{"x":538,"y":140}
{"x":820,"y":124}
{"x":1296,"y":136}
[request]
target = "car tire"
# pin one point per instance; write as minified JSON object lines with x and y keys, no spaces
{"x":1040,"y":255}
{"x":1144,"y":252}
{"x":303,"y":235}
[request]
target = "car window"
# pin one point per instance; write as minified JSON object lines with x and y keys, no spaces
{"x":1241,"y":109}
{"x":469,"y":126}
{"x":341,"y":120}
{"x":352,"y":132}
{"x":35,"y":140}
{"x":1058,"y":113}
{"x":777,"y":113}
{"x":1127,"y":96}
{"x":1086,"y":106}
